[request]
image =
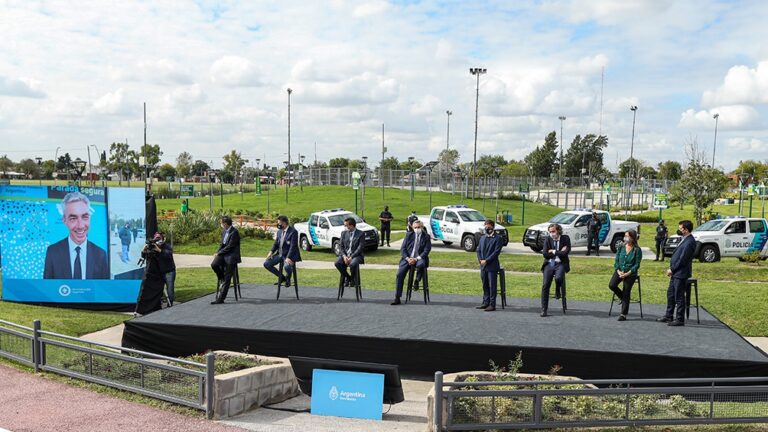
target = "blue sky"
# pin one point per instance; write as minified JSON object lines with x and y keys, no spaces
{"x":214,"y":76}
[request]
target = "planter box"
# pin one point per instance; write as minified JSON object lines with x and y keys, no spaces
{"x":240,"y":391}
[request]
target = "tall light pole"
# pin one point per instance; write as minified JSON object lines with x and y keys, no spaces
{"x":381,"y":167}
{"x":362,"y":193}
{"x":560,"y":165}
{"x":287,"y":166}
{"x":632,"y":108}
{"x":448,"y":113}
{"x":410,"y":162}
{"x":55,"y":163}
{"x":289,"y":144}
{"x":301,"y":172}
{"x":477,"y":72}
{"x":714,"y":146}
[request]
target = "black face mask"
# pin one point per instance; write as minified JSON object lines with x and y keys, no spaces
{"x":679,"y":232}
{"x":489,"y":230}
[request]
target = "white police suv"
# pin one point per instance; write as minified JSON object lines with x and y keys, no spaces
{"x":574,"y":223}
{"x":732,"y":236}
{"x":324,"y":229}
{"x":459,"y":223}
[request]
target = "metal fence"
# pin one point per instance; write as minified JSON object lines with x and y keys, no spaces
{"x":597,"y":403}
{"x":167,"y":378}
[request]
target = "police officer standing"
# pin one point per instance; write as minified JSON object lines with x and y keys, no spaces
{"x":661,"y":238}
{"x":386,"y":219}
{"x":593,"y":234}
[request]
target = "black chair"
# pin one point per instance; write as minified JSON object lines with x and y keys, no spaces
{"x":294,"y":277}
{"x":503,"y":287}
{"x":355,"y":282}
{"x":425,"y":280}
{"x":639,"y":301}
{"x":235,"y":284}
{"x":562,"y":295}
{"x":692,"y":282}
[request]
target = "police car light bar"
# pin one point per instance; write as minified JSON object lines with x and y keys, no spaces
{"x":458,"y":206}
{"x":583,"y":209}
{"x":332,"y":210}
{"x":735,"y":217}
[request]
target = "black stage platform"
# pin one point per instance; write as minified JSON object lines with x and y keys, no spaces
{"x":450,"y":335}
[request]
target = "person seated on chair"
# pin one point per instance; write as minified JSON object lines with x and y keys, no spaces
{"x":626,"y":265}
{"x":679,"y":271}
{"x":556,"y":263}
{"x":285,"y":250}
{"x":350,"y":250}
{"x":488,"y":251}
{"x":414,"y":252}
{"x":225,"y":259}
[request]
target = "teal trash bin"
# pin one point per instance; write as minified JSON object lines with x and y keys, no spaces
{"x":509,"y":218}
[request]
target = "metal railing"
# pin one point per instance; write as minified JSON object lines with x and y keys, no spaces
{"x":166,"y":378}
{"x":597,"y":403}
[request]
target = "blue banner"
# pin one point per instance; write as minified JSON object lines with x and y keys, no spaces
{"x":70,"y":244}
{"x":347,"y":394}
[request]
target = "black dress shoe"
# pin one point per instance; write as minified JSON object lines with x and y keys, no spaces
{"x":557,"y":296}
{"x":664,"y":319}
{"x":622,"y":318}
{"x":676,"y":323}
{"x":217,"y":302}
{"x":543,"y":313}
{"x":482,"y":306}
{"x":490,"y":309}
{"x":396,"y":302}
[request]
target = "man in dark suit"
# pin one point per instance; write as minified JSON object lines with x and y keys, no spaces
{"x":285,"y":250}
{"x":556,"y":263}
{"x":350,"y":250}
{"x":488,"y":251}
{"x":225,"y":259}
{"x":75,"y":257}
{"x":414,"y":252}
{"x":680,"y":269}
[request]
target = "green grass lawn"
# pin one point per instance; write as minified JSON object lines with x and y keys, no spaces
{"x":314,"y":198}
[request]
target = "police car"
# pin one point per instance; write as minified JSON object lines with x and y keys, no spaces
{"x":732,"y":236}
{"x":459,"y":223}
{"x":324,"y":229}
{"x":574,"y":223}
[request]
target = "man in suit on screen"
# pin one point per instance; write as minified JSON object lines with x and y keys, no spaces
{"x":75,"y":257}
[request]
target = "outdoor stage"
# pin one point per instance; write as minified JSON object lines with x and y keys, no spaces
{"x":449,"y":334}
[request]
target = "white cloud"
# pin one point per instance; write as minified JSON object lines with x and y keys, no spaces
{"x":370,"y":8}
{"x":110,"y":103}
{"x":742,"y":144}
{"x":607,"y":12}
{"x":235,"y":71}
{"x":742,"y":85}
{"x":21,"y":87}
{"x":732,"y":117}
{"x":162,"y":71}
{"x":186,"y":95}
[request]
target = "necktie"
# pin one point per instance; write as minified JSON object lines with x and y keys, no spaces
{"x":351,"y":239}
{"x":415,"y":246}
{"x":78,"y":272}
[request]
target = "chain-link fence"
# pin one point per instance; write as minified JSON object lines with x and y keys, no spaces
{"x":171,"y":379}
{"x":560,"y":404}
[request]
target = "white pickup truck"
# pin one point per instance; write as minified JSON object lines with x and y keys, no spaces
{"x":324,"y":229}
{"x":459,"y":223}
{"x":574,"y":223}
{"x":732,"y":236}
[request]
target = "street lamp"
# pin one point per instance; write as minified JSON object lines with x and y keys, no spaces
{"x":560,"y":167}
{"x":743,"y":179}
{"x":632,"y":108}
{"x":448,"y":113}
{"x":410,"y":163}
{"x":497,"y":172}
{"x":301,"y":172}
{"x":288,"y":163}
{"x":477,"y":72}
{"x":39,"y":173}
{"x":429,"y":183}
{"x":362,"y":194}
{"x":287,"y":166}
{"x":714,"y":146}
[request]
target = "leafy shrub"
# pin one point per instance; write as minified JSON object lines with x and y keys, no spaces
{"x":752,"y":257}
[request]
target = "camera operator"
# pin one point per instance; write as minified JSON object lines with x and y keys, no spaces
{"x":151,"y":292}
{"x":167,"y":266}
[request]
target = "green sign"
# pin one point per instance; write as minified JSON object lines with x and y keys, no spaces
{"x":524,"y":188}
{"x":187,"y":191}
{"x":258,"y":185}
{"x":751,"y":190}
{"x":355,"y":180}
{"x":660,"y":201}
{"x":589,"y":195}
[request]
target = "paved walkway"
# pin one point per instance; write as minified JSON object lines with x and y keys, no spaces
{"x":33,"y":403}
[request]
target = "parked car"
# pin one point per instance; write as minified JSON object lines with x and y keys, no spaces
{"x":574,"y":223}
{"x":732,"y":236}
{"x":323,"y":229}
{"x":459,"y":223}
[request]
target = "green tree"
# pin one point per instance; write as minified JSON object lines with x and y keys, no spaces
{"x":29,"y":168}
{"x":647,"y":172}
{"x":542,"y":161}
{"x":199,"y":168}
{"x":152,"y":152}
{"x":585,"y":152}
{"x":132,"y":164}
{"x":355,"y":164}
{"x":390,"y":163}
{"x":339,"y":163}
{"x":637,"y":166}
{"x":486,"y":164}
{"x":448,"y":159}
{"x":166,"y":170}
{"x":118,"y":160}
{"x":669,"y":170}
{"x":515,"y":169}
{"x":411,"y":164}
{"x":754,"y":168}
{"x":234,"y":163}
{"x":184,"y":164}
{"x":6,"y":164}
{"x":700,"y":184}
{"x":48,"y":167}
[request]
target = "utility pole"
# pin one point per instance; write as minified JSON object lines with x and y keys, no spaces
{"x":477,"y":72}
{"x":449,"y":113}
{"x":381,"y":168}
{"x":632,"y":108}
{"x":289,"y":146}
{"x":560,"y":167}
{"x":714,"y":147}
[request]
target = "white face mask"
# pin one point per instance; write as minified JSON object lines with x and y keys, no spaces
{"x":417,"y":230}
{"x":553,"y":235}
{"x":627,"y":240}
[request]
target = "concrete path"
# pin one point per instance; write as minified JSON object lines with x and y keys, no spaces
{"x":33,"y":403}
